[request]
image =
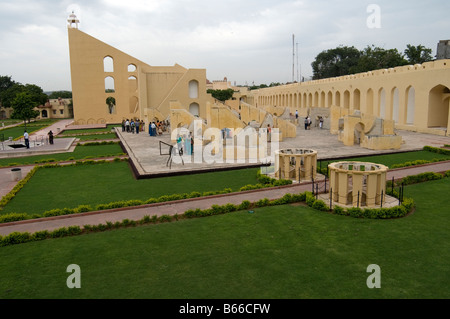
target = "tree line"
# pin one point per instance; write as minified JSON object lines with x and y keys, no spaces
{"x":23,"y":98}
{"x":345,"y":60}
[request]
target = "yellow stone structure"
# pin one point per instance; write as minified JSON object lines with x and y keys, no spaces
{"x":297,"y":164}
{"x":358,"y":183}
{"x":414,"y":97}
{"x":140,"y":91}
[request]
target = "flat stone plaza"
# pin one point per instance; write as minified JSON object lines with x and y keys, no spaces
{"x":144,"y":150}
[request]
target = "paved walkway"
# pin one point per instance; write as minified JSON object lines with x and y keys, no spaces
{"x":179,"y":207}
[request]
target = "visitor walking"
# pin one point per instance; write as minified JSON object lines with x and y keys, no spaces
{"x":127,"y":126}
{"x":138,"y":125}
{"x":321,"y":122}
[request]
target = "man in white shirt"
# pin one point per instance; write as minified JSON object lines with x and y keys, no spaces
{"x":27,"y":141}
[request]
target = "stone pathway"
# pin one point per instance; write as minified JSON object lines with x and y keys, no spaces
{"x":179,"y":207}
{"x":144,"y":151}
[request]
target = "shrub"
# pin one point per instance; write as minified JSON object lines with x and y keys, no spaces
{"x":15,"y":238}
{"x":320,"y":205}
{"x":244,"y":205}
{"x":12,"y":217}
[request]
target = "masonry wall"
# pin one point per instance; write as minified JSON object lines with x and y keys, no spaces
{"x":415,"y":97}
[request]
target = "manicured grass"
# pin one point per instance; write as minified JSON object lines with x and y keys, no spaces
{"x":80,"y":152}
{"x":397,"y":158}
{"x":92,"y":137}
{"x":17,"y":131}
{"x":109,"y":182}
{"x":284,"y":252}
{"x":108,"y":128}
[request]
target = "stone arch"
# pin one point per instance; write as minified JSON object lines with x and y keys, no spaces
{"x":330,"y":99}
{"x":194,"y":109}
{"x":410,"y":104}
{"x":369,"y":102}
{"x":322,"y":99}
{"x":109,"y":84}
{"x":357,"y":99}
{"x":44,"y":114}
{"x":395,"y":107}
{"x":310,"y":100}
{"x":359,"y":132}
{"x":108,"y":64}
{"x":382,"y":103}
{"x":438,"y":106}
{"x":316,"y":99}
{"x":337,"y":98}
{"x":133,"y":105}
{"x":132,"y":84}
{"x":193,"y":89}
{"x":346,"y":99}
{"x":132,"y":67}
{"x":91,"y":121}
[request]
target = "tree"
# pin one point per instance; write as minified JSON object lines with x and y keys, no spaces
{"x":60,"y":94}
{"x":418,"y":54}
{"x":111,"y":102}
{"x":221,"y":95}
{"x":375,"y":58}
{"x":23,"y":105}
{"x":335,"y":62}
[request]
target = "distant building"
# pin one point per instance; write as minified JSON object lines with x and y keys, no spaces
{"x":55,"y":109}
{"x":443,"y":50}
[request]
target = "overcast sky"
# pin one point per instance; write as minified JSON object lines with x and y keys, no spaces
{"x":247,"y":41}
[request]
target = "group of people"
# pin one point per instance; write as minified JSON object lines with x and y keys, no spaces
{"x":308,"y":122}
{"x":185,"y":144}
{"x":133,"y":126}
{"x":26,"y":138}
{"x":158,"y":128}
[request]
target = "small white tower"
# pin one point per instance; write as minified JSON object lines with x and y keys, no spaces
{"x":73,"y":19}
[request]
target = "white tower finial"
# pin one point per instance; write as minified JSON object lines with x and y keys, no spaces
{"x":73,"y":19}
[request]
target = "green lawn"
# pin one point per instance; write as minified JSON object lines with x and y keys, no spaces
{"x":108,"y":128}
{"x":18,"y":131}
{"x":91,"y":137}
{"x":109,"y":182}
{"x":80,"y":152}
{"x":284,"y":252}
{"x":397,"y":158}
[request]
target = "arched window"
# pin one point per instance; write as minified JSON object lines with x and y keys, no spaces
{"x":410,"y":105}
{"x":108,"y":64}
{"x":132,"y":84}
{"x":194,"y":109}
{"x":109,"y":84}
{"x":193,"y":89}
{"x":111,"y":104}
{"x":131,"y":67}
{"x":382,"y":105}
{"x":395,"y":106}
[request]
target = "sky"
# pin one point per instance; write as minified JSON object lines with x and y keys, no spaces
{"x":251,"y":42}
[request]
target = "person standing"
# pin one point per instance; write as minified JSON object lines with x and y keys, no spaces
{"x":26,"y":138}
{"x":138,"y":126}
{"x":50,"y":137}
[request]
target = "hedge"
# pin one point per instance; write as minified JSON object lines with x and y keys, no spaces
{"x":381,"y":213}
